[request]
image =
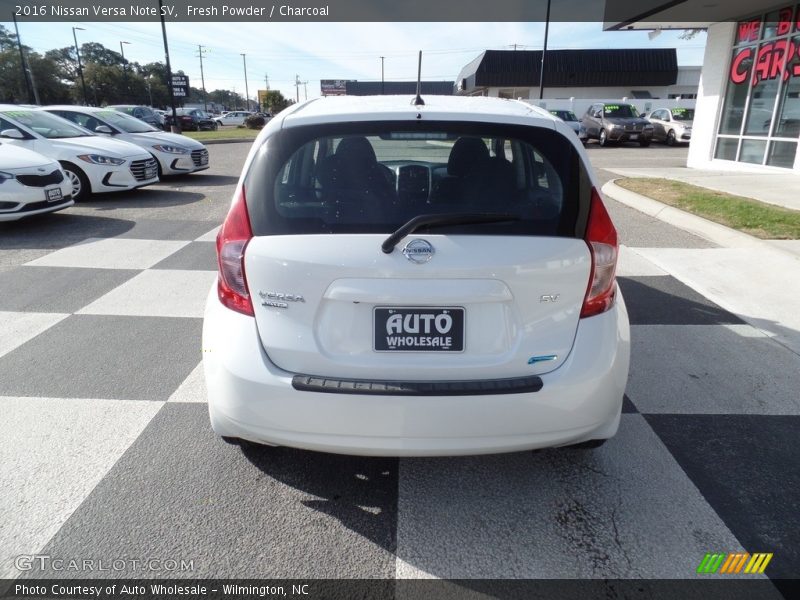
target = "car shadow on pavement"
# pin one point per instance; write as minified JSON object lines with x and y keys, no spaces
{"x":145,"y":198}
{"x":359,"y":492}
{"x":202,"y":179}
{"x":666,"y":301}
{"x":58,"y":230}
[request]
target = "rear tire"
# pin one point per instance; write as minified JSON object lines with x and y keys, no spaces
{"x":603,"y":139}
{"x":671,"y":138}
{"x":81,"y":188}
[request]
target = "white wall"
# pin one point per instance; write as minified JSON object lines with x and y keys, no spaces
{"x":580,"y":105}
{"x":714,"y":78}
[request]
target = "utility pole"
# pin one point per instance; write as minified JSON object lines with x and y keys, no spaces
{"x":125,"y":70}
{"x":297,"y":87}
{"x":246,"y":90}
{"x":80,"y":66}
{"x":28,"y":74}
{"x":544,"y":51}
{"x":382,"y":84}
{"x":305,"y":90}
{"x":200,"y":51}
{"x":175,"y":126}
{"x":33,"y":85}
{"x":266,"y":81}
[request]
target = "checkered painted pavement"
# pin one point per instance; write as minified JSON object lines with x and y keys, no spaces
{"x":106,"y":450}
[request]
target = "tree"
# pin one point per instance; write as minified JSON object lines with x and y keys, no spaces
{"x":8,"y":40}
{"x":92,"y":52}
{"x":49,"y":85}
{"x":275,"y":102}
{"x":65,"y":59}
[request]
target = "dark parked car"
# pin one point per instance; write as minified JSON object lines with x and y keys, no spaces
{"x":143,"y":113}
{"x":608,"y":122}
{"x":191,"y":119}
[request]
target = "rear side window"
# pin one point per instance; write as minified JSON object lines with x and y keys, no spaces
{"x":373,"y":178}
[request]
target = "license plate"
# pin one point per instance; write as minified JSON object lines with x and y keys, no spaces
{"x":150,"y":172}
{"x":430,"y":329}
{"x":634,"y":136}
{"x":53,"y":195}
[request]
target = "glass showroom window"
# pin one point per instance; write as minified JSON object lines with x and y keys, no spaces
{"x":760,"y":118}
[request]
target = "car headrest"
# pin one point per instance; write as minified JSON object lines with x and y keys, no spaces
{"x":468,"y":154}
{"x":357,"y":149}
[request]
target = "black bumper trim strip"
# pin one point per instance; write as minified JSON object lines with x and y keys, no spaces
{"x":515,"y":385}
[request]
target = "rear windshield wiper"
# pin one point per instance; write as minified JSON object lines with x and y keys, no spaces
{"x":442,"y":219}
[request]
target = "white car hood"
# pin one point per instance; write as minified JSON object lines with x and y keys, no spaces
{"x":14,"y":157}
{"x":98,"y":145}
{"x":150,"y":138}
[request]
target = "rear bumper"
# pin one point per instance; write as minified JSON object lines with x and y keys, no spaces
{"x":250,"y":398}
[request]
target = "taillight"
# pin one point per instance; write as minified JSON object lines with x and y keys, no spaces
{"x":231,"y":242}
{"x":601,"y":237}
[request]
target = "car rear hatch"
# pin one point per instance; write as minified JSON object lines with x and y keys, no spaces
{"x":491,"y":286}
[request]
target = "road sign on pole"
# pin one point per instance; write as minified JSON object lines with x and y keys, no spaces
{"x":180,"y":86}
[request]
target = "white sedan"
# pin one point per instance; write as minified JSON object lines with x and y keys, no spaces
{"x":175,"y":153}
{"x":31,"y":184}
{"x":406,"y":280}
{"x":94,"y":164}
{"x":234,"y":117}
{"x":672,"y":125}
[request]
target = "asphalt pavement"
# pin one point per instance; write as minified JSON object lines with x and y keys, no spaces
{"x":106,"y":451}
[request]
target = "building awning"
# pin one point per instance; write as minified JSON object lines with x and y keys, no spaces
{"x":571,"y":68}
{"x":376,"y":88}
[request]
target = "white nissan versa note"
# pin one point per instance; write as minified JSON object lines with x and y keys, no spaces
{"x":412,"y":279}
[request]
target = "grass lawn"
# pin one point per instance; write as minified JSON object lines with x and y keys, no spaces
{"x":761,"y":220}
{"x":223,"y":133}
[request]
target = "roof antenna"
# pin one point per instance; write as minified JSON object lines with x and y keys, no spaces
{"x":418,"y":101}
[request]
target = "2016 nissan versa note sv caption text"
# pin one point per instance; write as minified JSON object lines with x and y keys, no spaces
{"x":408,"y":278}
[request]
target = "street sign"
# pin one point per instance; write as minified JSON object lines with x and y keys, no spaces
{"x":180,"y":86}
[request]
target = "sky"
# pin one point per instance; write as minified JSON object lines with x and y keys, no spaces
{"x":314,"y":51}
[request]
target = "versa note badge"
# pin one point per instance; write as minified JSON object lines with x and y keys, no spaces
{"x":418,"y":251}
{"x":278,"y":299}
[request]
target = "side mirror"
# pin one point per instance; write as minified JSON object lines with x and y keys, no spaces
{"x":12,"y":134}
{"x":103,"y":129}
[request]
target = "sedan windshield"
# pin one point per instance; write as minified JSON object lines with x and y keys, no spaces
{"x":46,"y":124}
{"x":125,"y":122}
{"x":624,"y":111}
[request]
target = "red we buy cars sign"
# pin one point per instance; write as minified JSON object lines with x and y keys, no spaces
{"x":773,"y":59}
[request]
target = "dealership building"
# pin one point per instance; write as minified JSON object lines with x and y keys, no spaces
{"x":748,"y":103}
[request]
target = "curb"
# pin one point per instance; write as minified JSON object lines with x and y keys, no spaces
{"x":699,"y":226}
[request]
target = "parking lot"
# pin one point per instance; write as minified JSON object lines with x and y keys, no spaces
{"x":107,"y":451}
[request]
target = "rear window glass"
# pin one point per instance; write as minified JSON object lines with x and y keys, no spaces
{"x":375,"y":179}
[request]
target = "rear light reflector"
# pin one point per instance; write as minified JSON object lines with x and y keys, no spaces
{"x":601,"y":237}
{"x":232,"y":241}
